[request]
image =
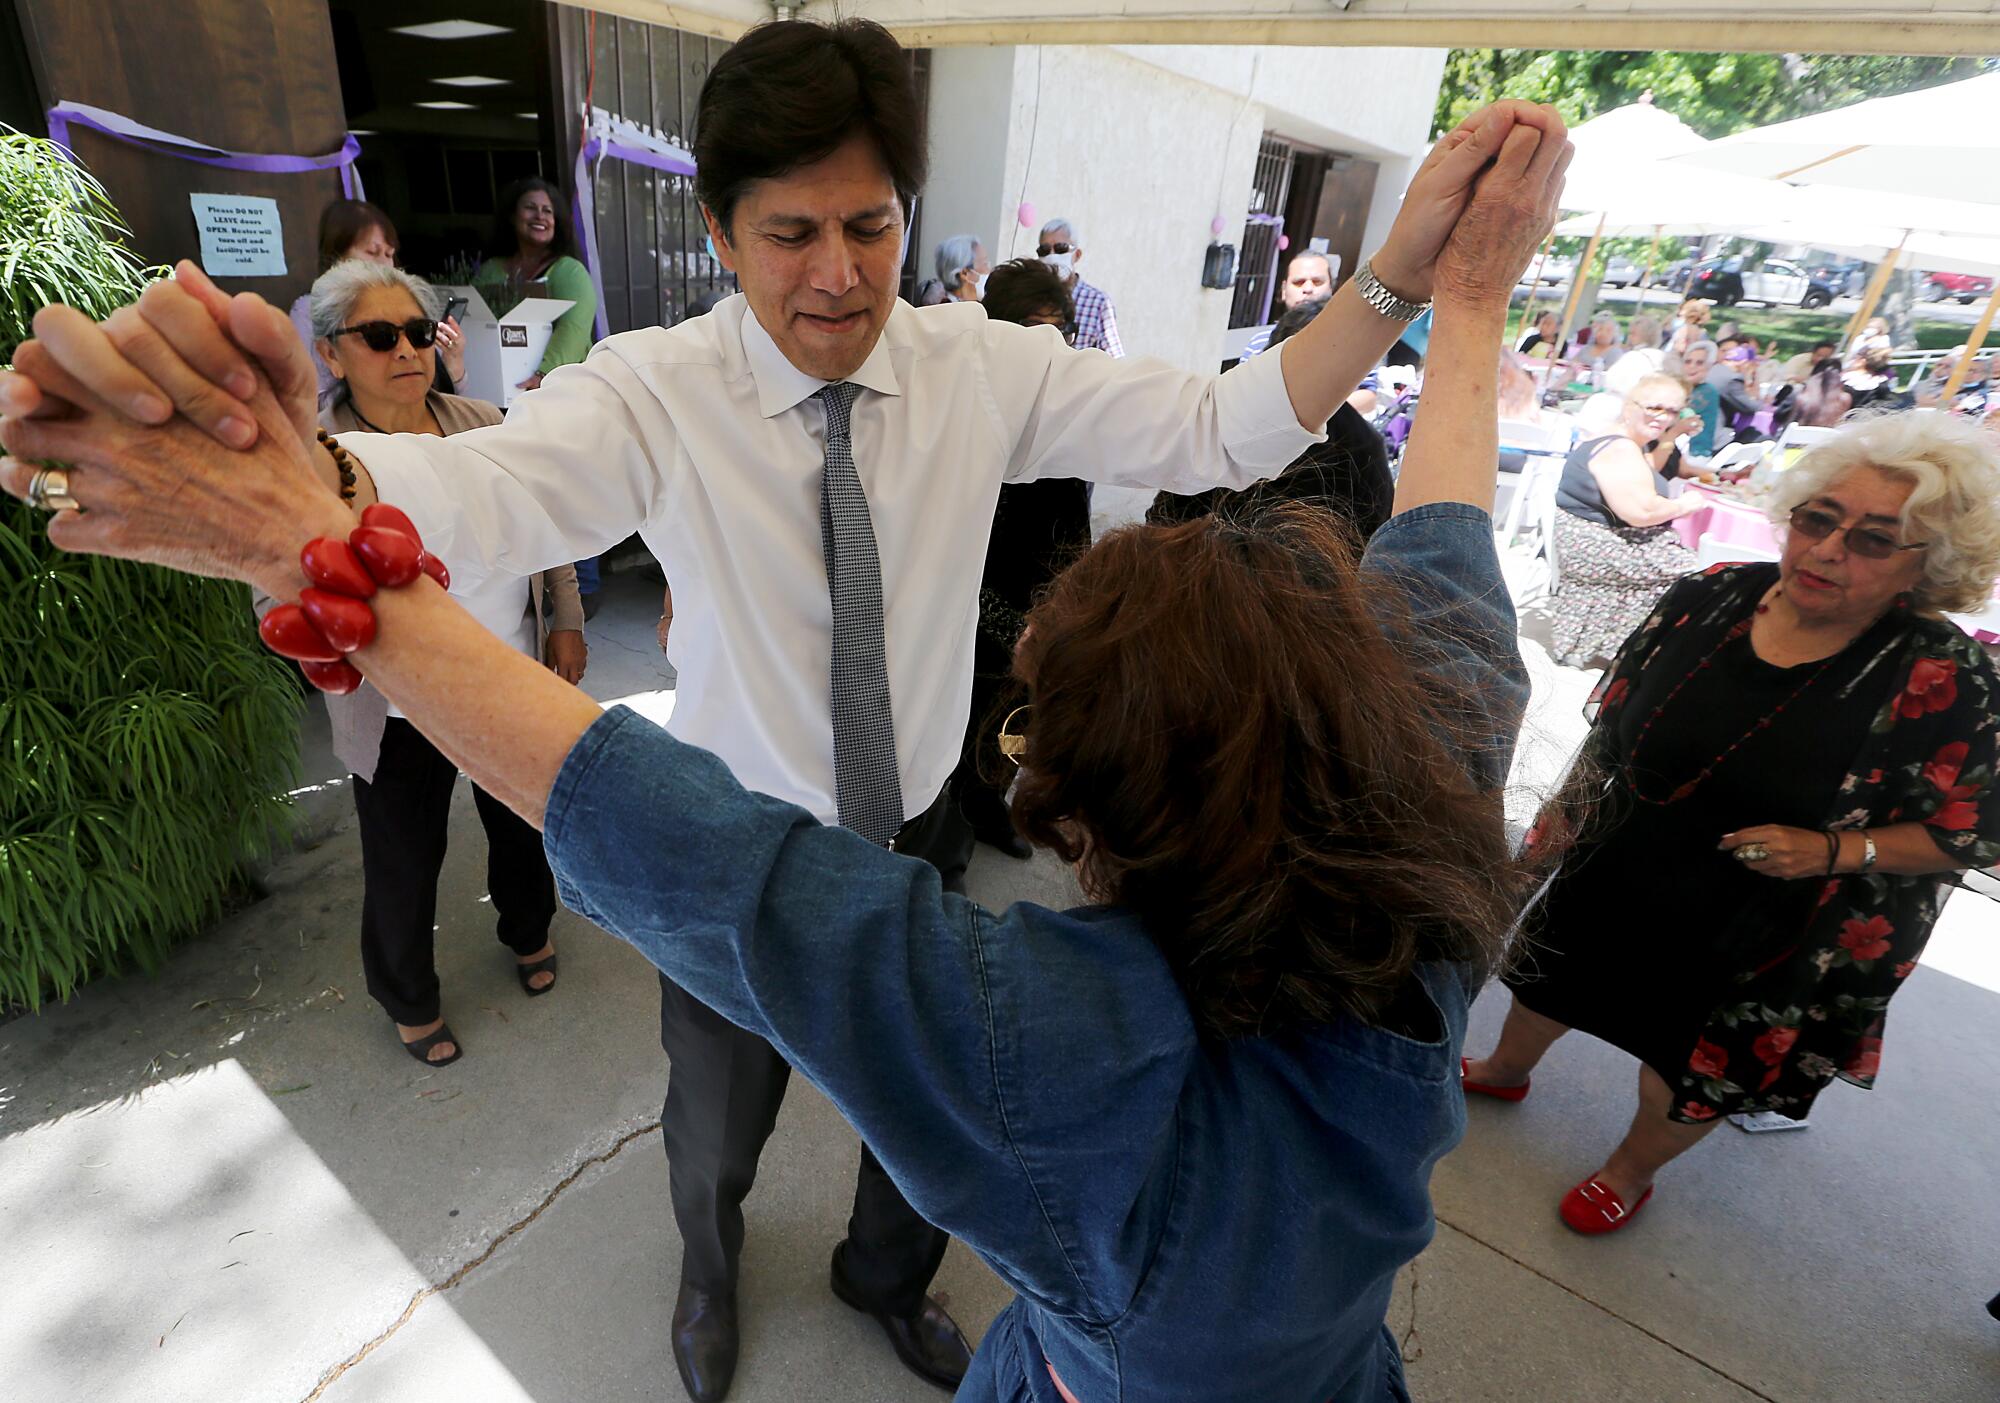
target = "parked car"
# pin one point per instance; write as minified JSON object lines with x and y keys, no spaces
{"x":1779,"y":282}
{"x":1557,"y":268}
{"x":1622,"y":272}
{"x":1846,"y":276}
{"x":1964,"y":287}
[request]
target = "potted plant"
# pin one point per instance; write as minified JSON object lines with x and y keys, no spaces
{"x":146,"y":738}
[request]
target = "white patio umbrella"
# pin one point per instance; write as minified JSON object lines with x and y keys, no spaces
{"x":1932,"y":142}
{"x":1619,"y":178}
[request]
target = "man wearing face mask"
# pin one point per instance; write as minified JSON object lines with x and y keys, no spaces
{"x":962,"y":266}
{"x":1096,"y":323}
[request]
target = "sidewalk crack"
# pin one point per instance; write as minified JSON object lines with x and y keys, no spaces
{"x":604,"y":1156}
{"x":1569,"y":1290}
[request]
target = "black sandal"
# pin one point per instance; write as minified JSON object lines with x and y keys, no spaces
{"x":528,"y":972}
{"x":421,"y":1048}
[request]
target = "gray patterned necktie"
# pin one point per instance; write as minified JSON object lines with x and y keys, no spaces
{"x":866,"y":788}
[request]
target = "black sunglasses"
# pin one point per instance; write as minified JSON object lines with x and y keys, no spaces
{"x":382,"y":336}
{"x":1044,"y":250}
{"x":1871,"y":542}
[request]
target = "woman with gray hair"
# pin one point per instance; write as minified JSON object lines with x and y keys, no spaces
{"x":962,"y":266}
{"x":1600,"y":349}
{"x":376,"y":329}
{"x":1787,"y":765}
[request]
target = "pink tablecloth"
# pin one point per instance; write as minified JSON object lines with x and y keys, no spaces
{"x":1726,"y":521}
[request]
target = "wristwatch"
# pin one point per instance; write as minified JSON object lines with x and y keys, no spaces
{"x":1384,"y":301}
{"x":1867,"y":851}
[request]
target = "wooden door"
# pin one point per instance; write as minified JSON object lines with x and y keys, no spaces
{"x":1342,"y":218}
{"x":245,"y":75}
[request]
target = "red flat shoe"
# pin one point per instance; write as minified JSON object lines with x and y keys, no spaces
{"x":1498,"y":1093}
{"x":1592,"y":1209}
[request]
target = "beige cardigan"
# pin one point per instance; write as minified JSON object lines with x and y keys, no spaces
{"x":359,"y":717}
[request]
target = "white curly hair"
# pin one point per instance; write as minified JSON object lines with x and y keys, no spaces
{"x":1953,"y":467}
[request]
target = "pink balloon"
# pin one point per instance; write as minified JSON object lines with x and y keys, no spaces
{"x":1284,"y":242}
{"x":1026,"y":214}
{"x":1216,"y":226}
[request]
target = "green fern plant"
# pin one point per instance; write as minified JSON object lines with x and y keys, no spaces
{"x":147,"y":740}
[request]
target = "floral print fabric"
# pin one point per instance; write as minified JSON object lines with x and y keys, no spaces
{"x":1818,"y":1010}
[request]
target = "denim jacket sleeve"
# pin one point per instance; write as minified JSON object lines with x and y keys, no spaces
{"x":1451,"y":610}
{"x":854,"y":962}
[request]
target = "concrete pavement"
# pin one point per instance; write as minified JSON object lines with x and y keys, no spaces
{"x":226,"y":1182}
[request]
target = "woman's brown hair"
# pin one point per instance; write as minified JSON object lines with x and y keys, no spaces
{"x":1227,"y":742}
{"x":343,"y":222}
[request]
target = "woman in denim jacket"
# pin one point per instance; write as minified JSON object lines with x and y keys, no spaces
{"x":1191,"y":1124}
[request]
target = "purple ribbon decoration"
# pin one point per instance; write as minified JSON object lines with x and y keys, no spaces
{"x":64,"y":115}
{"x":584,"y":211}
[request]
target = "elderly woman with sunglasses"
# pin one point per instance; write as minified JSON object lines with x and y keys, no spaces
{"x":1274,"y":764}
{"x":1788,"y":763}
{"x":376,"y":329}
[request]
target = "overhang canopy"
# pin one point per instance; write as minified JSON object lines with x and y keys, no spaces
{"x":1963,"y":27}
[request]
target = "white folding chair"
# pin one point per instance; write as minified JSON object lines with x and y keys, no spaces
{"x":1526,"y":541}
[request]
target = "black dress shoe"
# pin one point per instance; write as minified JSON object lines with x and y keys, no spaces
{"x":929,"y":1343}
{"x":705,"y":1342}
{"x":1004,"y":838}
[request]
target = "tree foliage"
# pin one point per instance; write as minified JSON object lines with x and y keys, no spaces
{"x":146,"y":738}
{"x":1716,"y":94}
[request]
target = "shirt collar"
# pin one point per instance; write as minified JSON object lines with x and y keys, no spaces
{"x":782,"y":385}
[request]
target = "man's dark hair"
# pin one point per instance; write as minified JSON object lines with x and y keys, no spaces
{"x":1018,"y":290}
{"x":1297,"y":319}
{"x":504,"y":242}
{"x":1824,"y":346}
{"x":787,"y":94}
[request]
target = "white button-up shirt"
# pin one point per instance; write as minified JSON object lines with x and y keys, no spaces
{"x":706,"y":440}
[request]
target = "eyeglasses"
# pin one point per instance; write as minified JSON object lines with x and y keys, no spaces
{"x":382,"y":336}
{"x":1661,"y":408}
{"x":1013,"y":744}
{"x":1044,"y":250}
{"x":1871,"y":542}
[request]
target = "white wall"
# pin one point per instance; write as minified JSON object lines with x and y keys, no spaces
{"x":1144,"y":146}
{"x":972,"y":91}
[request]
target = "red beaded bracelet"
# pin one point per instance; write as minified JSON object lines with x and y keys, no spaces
{"x":331,"y":618}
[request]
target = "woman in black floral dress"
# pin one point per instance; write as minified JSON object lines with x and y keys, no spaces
{"x":1787,"y":763}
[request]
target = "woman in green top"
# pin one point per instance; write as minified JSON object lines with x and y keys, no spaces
{"x":533,"y":243}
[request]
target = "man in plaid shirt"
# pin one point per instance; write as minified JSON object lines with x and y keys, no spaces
{"x":1096,"y":323}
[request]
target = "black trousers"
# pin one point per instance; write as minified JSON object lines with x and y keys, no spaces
{"x":724,"y":1087}
{"x":405,"y":814}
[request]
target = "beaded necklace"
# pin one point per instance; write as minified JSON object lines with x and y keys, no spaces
{"x":1740,"y":630}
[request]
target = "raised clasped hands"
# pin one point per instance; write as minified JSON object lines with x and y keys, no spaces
{"x":1479,"y":206}
{"x":185,"y":421}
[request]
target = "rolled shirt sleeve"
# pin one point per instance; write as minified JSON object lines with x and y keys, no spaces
{"x":1137,"y":422}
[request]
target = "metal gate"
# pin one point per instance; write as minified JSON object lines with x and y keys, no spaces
{"x":1257,"y":264}
{"x":650,"y":238}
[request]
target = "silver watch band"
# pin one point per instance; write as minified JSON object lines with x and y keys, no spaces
{"x":1867,"y":851}
{"x":1376,"y":295}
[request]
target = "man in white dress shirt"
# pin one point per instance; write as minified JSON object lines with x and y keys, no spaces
{"x":816,"y":464}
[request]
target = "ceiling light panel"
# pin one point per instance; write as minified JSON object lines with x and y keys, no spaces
{"x":451,"y":29}
{"x":470,"y":80}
